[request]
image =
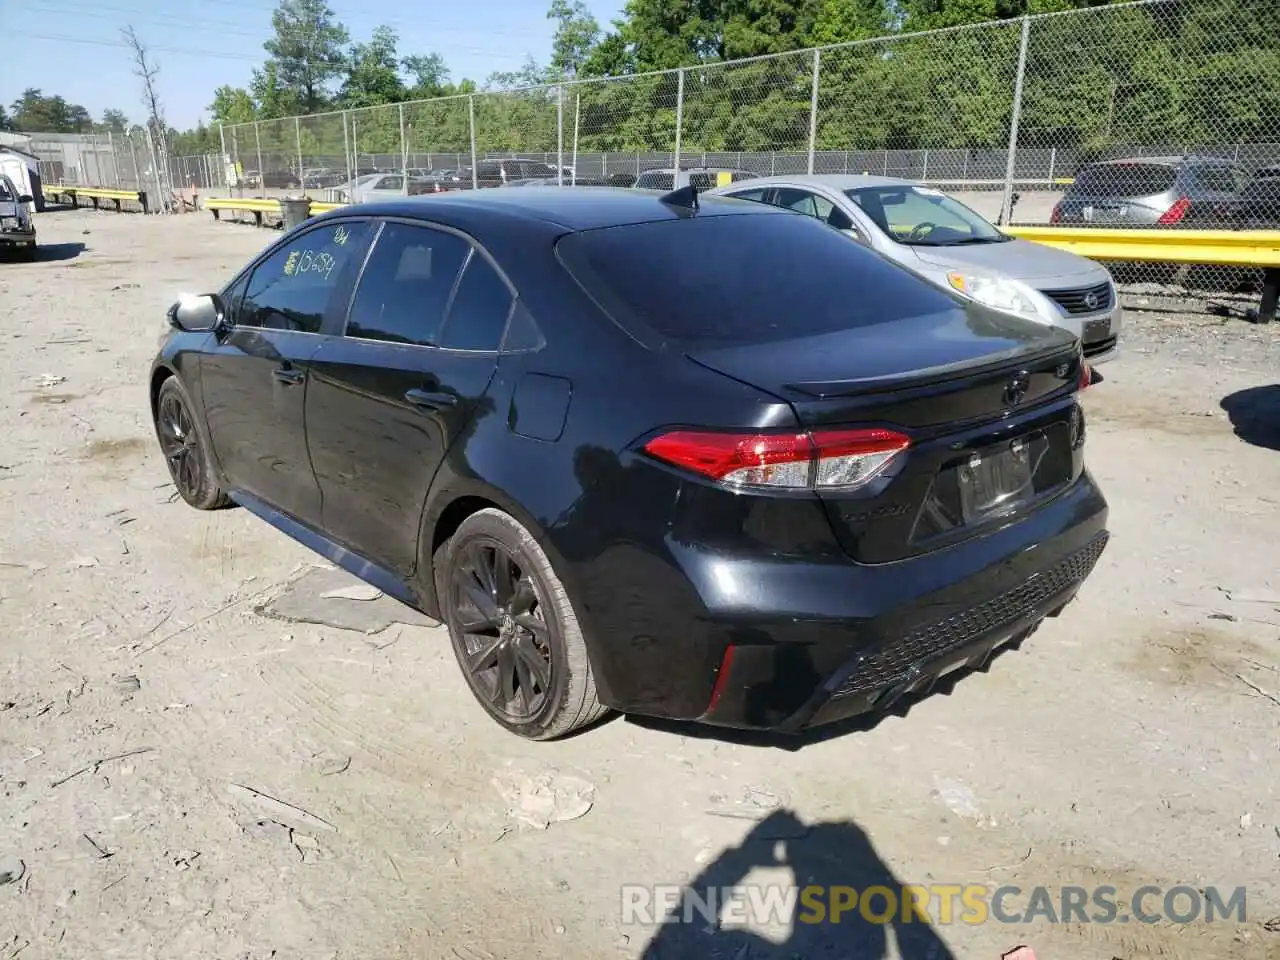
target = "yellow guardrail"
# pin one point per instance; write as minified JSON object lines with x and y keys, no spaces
{"x":1236,"y":248}
{"x":256,"y":204}
{"x":260,"y":206}
{"x":74,"y":191}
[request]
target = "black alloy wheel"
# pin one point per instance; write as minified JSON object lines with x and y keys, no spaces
{"x":504,"y":643}
{"x":513,"y":628}
{"x":185,"y":452}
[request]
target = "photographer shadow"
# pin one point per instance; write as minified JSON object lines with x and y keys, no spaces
{"x":827,"y":856}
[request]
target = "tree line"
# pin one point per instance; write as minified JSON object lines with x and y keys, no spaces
{"x":1186,"y":73}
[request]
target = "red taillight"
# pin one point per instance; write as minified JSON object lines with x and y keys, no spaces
{"x":820,"y":459}
{"x":1086,"y":376}
{"x":1056,"y":215}
{"x":1175,"y":213}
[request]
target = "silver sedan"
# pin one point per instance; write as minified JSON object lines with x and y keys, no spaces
{"x":944,"y":241}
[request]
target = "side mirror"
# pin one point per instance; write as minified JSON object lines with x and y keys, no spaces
{"x":200,"y":314}
{"x":26,"y":198}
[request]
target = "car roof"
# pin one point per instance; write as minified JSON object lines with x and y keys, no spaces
{"x":1160,"y":161}
{"x":833,"y":181}
{"x":582,"y":208}
{"x":695,"y":170}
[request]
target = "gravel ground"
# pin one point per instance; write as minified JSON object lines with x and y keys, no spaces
{"x":181,"y":776}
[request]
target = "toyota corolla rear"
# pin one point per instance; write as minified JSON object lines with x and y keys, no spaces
{"x":901,"y":492}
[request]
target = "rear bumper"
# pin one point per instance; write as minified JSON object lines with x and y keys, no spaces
{"x":17,"y":238}
{"x":785,"y":645}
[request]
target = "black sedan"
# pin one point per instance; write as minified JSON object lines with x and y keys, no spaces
{"x":691,"y":459}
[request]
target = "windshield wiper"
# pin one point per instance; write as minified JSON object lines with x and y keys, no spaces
{"x":972,"y":240}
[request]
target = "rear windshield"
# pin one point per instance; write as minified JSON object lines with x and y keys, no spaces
{"x":1124,"y":180}
{"x":742,"y":279}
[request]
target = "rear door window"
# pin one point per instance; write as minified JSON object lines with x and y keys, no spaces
{"x":801,"y":201}
{"x":405,"y":287}
{"x":479,"y":310}
{"x":657,"y":281}
{"x":1124,"y":180}
{"x":1216,"y":179}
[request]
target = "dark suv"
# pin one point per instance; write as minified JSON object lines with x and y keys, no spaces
{"x":1153,"y":192}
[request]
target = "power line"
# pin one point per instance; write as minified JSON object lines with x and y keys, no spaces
{"x":232,"y":26}
{"x":183,"y":51}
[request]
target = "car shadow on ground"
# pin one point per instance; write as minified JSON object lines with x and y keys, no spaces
{"x":793,"y":742}
{"x":1255,"y":415}
{"x":832,"y":863}
{"x":52,"y":252}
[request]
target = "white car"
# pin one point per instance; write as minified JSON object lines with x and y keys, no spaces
{"x":370,"y":187}
{"x":17,"y":231}
{"x":942,"y":240}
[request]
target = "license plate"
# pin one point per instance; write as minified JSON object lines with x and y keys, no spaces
{"x":996,"y":481}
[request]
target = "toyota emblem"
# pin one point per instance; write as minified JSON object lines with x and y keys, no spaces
{"x":1015,"y":390}
{"x":1091,"y":300}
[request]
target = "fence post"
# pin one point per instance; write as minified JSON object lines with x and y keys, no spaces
{"x":1006,"y":203}
{"x":346,"y":146}
{"x":115,"y":160}
{"x":813,"y":107}
{"x":404,"y":155}
{"x":262,"y":170}
{"x":297,"y":136}
{"x":471,"y":117}
{"x":222,"y":157}
{"x":675,"y":162}
{"x":560,"y":135}
{"x":577,"y":115}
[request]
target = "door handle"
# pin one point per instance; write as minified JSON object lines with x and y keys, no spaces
{"x":287,"y":375}
{"x":427,"y":400}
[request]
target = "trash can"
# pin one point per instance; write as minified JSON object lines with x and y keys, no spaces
{"x":295,"y":210}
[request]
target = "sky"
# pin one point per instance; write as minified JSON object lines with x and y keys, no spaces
{"x":71,"y":47}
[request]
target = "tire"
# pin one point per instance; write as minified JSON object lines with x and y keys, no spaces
{"x":186,"y":449}
{"x":534,"y":619}
{"x":28,"y":254}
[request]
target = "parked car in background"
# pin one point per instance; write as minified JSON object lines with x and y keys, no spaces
{"x":1259,"y":205}
{"x":568,"y":180}
{"x":570,"y":425}
{"x":702,"y":178}
{"x":379,"y":186}
{"x":941,"y":239}
{"x":252,"y":179}
{"x":17,"y":229}
{"x":1185,"y":191}
{"x":281,"y":179}
{"x":319,"y":177}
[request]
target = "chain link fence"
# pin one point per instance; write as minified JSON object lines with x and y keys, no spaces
{"x":1155,"y":113}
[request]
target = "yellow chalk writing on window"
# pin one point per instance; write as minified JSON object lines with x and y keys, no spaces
{"x":291,"y":264}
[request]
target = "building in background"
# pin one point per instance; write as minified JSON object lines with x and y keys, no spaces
{"x":20,"y":163}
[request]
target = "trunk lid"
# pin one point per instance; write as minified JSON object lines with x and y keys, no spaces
{"x":962,"y":383}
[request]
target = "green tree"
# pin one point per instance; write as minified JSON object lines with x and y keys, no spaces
{"x":113,"y":121}
{"x":373,"y":72}
{"x":33,"y":112}
{"x":269,"y":92}
{"x":576,"y":36}
{"x":839,"y":21}
{"x":429,"y":73}
{"x":233,"y":105}
{"x":306,"y":51}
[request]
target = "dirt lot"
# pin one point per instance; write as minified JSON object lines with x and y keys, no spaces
{"x":1133,"y":741}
